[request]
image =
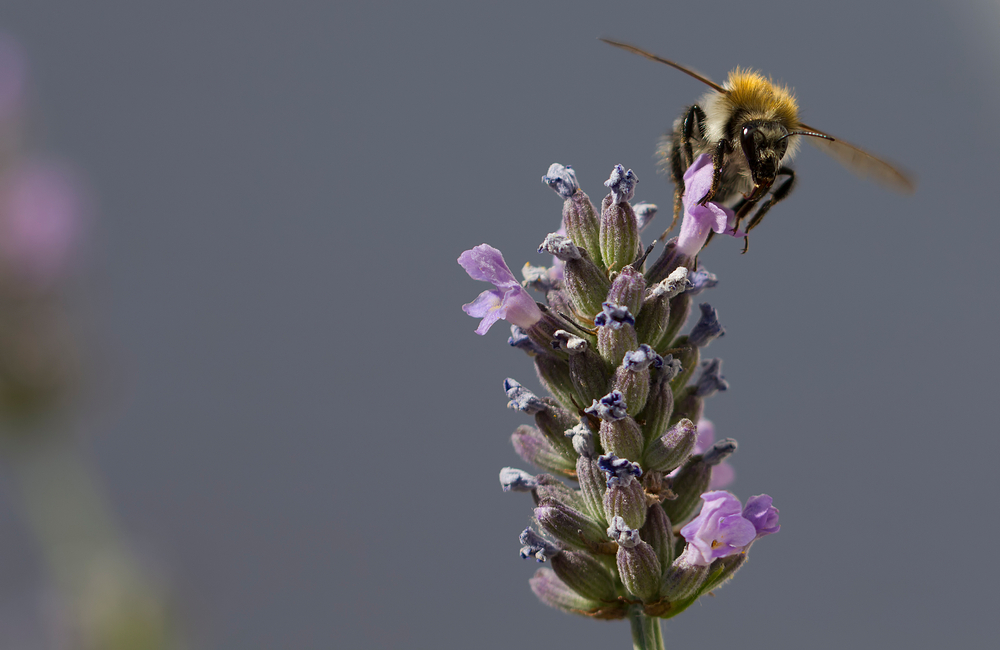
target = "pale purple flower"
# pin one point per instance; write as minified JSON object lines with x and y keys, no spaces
{"x":719,"y":530}
{"x":40,"y":215}
{"x":762,"y":515}
{"x":700,"y":219}
{"x":508,"y":300}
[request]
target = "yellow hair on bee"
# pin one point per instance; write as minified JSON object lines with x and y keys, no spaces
{"x":760,"y":97}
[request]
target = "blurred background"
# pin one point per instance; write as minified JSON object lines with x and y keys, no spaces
{"x":241,"y":405}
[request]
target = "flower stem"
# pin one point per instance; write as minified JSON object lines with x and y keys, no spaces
{"x":646,"y":633}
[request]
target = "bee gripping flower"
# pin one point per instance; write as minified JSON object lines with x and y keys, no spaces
{"x":701,"y":218}
{"x":508,"y":300}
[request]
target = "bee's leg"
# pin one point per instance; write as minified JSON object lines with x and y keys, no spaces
{"x":777,"y":195}
{"x":782,"y":192}
{"x":694,"y":118}
{"x":718,"y":158}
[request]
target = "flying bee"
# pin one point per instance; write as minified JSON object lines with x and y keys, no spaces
{"x":751,"y":128}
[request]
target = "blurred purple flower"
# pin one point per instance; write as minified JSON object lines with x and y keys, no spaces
{"x":719,"y":530}
{"x":699,"y":219}
{"x":508,"y":300}
{"x":40,"y":215}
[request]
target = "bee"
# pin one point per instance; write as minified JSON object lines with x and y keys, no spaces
{"x":751,"y":128}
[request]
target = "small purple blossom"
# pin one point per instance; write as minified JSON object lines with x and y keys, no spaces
{"x":508,"y":300}
{"x":642,"y":358}
{"x":719,"y":530}
{"x":534,"y":545}
{"x":610,"y":408}
{"x":517,"y":480}
{"x":620,"y":471}
{"x":622,"y":185}
{"x":562,"y":179}
{"x":762,"y":515}
{"x":701,"y":280}
{"x":708,"y":327}
{"x":699,"y":219}
{"x":614,"y":316}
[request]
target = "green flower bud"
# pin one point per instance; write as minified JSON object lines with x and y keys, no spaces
{"x":627,"y":290}
{"x":689,"y":484}
{"x":658,"y":533}
{"x":593,"y":485}
{"x":619,"y":234}
{"x":585,"y":574}
{"x":569,"y":526}
{"x":640,"y":570}
{"x":622,"y":437}
{"x":670,"y":450}
{"x":627,"y":502}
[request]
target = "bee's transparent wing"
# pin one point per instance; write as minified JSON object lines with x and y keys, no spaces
{"x":862,"y":163}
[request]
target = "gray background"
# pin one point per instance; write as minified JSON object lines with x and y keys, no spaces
{"x":296,"y":420}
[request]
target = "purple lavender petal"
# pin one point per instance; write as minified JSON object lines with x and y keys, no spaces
{"x":700,"y":219}
{"x":762,"y":515}
{"x":508,"y":301}
{"x":487,"y":264}
{"x":719,"y":530}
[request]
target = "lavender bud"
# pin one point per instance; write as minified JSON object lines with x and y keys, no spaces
{"x":587,"y":370}
{"x":622,"y":184}
{"x":562,"y":179}
{"x":620,"y":245}
{"x":632,"y":377}
{"x":627,"y":502}
{"x":651,"y":323}
{"x":522,"y":399}
{"x":680,"y":309}
{"x":701,"y":280}
{"x":682,"y":579}
{"x":593,"y":485}
{"x":622,"y":437}
{"x":689,"y":356}
{"x":551,"y":490}
{"x":584,"y":283}
{"x":569,"y":526}
{"x":719,"y":451}
{"x":609,"y":408}
{"x":582,"y":438}
{"x":616,"y":333}
{"x":638,"y":565}
{"x":519,"y":339}
{"x":627,"y":290}
{"x":660,"y":402}
{"x":516,"y":480}
{"x":585,"y":575}
{"x":531,"y":445}
{"x":538,"y":278}
{"x":534,"y":545}
{"x":620,"y":471}
{"x":658,"y":533}
{"x":670,"y":450}
{"x":708,"y":327}
{"x":644,"y":213}
{"x":711,"y":380}
{"x":556,"y":377}
{"x":553,"y":423}
{"x":669,"y":261}
{"x":555,"y":593}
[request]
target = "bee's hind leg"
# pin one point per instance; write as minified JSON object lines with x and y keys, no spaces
{"x":779,"y":194}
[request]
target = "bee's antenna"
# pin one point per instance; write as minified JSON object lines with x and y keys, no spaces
{"x":809,"y":133}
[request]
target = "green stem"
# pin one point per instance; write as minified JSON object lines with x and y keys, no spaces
{"x":646,"y":634}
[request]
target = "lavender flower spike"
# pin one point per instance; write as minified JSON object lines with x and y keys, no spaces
{"x":508,"y":300}
{"x":719,"y":530}
{"x":698,"y":218}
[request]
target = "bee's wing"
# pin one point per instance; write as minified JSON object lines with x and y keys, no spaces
{"x":861,"y":162}
{"x":688,"y":71}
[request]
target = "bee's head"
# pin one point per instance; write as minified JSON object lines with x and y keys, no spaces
{"x":764,"y":144}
